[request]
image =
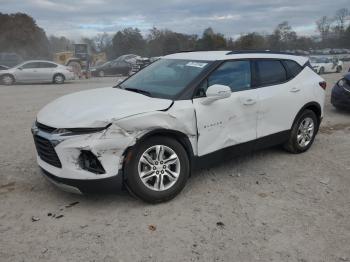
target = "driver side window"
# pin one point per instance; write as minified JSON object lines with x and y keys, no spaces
{"x":235,"y":74}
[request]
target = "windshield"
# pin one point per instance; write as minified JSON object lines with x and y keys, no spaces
{"x":165,"y":78}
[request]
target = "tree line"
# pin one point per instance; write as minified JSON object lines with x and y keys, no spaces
{"x":30,"y":41}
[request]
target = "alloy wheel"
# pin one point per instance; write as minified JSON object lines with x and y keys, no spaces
{"x":305,"y":132}
{"x":159,"y":168}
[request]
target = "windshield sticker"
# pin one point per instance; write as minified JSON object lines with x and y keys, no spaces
{"x":196,"y":64}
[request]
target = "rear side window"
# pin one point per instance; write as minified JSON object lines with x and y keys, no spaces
{"x":47,"y":65}
{"x":235,"y":74}
{"x":270,"y":72}
{"x":293,"y":68}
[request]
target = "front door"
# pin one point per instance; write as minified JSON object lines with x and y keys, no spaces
{"x":28,"y":72}
{"x":230,"y":121}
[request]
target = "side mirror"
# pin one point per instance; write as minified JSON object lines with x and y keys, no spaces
{"x":216,"y":92}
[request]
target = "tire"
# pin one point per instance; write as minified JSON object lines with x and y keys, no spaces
{"x":295,"y":144}
{"x":321,"y":71}
{"x":7,"y":80}
{"x":339,"y":69}
{"x":101,"y":73}
{"x":58,"y":79}
{"x":153,"y":188}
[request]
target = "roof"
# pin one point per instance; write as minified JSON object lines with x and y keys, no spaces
{"x":228,"y":55}
{"x":44,"y":61}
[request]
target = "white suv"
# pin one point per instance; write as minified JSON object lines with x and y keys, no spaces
{"x":148,"y":132}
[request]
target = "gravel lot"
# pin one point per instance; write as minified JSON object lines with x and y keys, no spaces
{"x":269,"y":206}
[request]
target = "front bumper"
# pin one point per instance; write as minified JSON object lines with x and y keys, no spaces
{"x":108,"y":146}
{"x":111,"y":184}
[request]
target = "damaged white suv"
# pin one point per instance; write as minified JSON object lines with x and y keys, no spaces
{"x":148,"y":132}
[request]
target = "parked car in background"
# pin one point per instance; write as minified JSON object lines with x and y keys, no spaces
{"x":120,"y":66}
{"x":36,"y":71}
{"x":3,"y":67}
{"x":340,"y":97}
{"x":140,"y":63}
{"x":10,"y":59}
{"x":323,"y":65}
{"x":184,"y":110}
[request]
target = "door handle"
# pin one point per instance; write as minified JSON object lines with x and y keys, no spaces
{"x":249,"y":101}
{"x":295,"y":90}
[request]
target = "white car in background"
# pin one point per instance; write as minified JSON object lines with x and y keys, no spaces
{"x":36,"y":71}
{"x":323,"y":65}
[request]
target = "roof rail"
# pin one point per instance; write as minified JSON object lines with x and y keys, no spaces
{"x":259,"y":52}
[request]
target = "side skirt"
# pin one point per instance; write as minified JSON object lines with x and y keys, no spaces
{"x":231,"y":152}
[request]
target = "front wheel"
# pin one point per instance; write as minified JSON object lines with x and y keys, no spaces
{"x":158,"y":169}
{"x":7,"y":80}
{"x":303,"y":133}
{"x":58,"y":79}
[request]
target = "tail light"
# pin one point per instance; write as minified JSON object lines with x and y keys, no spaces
{"x":323,"y":84}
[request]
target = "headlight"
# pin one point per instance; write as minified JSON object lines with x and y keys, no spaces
{"x":341,"y":82}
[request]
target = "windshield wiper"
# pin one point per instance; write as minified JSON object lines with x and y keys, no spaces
{"x":143,"y":92}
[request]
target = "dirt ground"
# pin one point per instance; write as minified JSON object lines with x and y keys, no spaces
{"x":269,"y":206}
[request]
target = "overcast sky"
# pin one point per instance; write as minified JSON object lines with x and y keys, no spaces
{"x":77,"y":18}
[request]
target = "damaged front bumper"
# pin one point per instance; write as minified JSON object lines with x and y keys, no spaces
{"x":86,"y":162}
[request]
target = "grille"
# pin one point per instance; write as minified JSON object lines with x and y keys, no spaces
{"x":46,"y":151}
{"x":45,"y":128}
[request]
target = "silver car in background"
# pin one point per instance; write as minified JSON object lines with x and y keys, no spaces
{"x":36,"y":71}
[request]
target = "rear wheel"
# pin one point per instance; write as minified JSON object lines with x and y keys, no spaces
{"x":7,"y":80}
{"x":58,"y":79}
{"x":303,"y":133}
{"x":158,"y":169}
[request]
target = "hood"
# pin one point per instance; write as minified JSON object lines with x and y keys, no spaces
{"x":97,"y":108}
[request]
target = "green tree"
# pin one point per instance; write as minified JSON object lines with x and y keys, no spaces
{"x":19,"y":33}
{"x":211,"y":41}
{"x":129,"y":40}
{"x":251,"y":41}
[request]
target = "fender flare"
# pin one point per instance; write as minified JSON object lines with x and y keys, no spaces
{"x":314,"y":106}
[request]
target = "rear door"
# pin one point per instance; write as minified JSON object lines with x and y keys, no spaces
{"x":46,"y":71}
{"x":280,"y":95}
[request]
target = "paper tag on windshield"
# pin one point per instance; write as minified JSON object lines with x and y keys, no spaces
{"x":196,"y":64}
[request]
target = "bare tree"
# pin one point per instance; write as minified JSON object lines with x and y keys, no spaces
{"x":103,"y":41}
{"x":340,"y":18}
{"x":324,"y":26}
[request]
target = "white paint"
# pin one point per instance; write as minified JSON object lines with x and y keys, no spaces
{"x":227,"y":121}
{"x":279,"y":104}
{"x":97,"y":107}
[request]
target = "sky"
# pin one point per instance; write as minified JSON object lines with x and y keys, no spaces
{"x":77,"y":18}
